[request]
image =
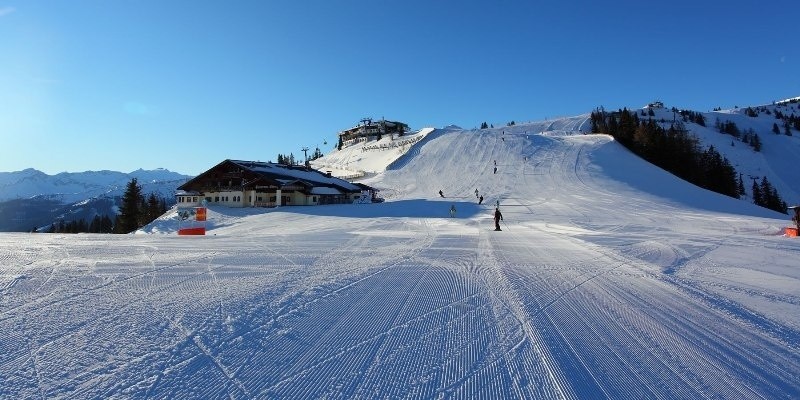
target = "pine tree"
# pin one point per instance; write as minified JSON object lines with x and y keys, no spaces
{"x":700,"y":120}
{"x":756,"y":142}
{"x":130,"y":211}
{"x":741,"y":186}
{"x":153,"y":208}
{"x":775,"y":129}
{"x":94,"y":226}
{"x":770,"y":197}
{"x":757,"y":199}
{"x":106,"y":225}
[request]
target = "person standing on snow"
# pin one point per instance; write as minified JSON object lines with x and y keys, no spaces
{"x":480,"y":200}
{"x":476,"y":193}
{"x":498,"y":216}
{"x":452,"y":211}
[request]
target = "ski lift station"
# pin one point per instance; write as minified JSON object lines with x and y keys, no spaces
{"x":368,"y":130}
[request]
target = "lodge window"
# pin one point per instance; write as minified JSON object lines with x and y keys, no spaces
{"x":216,"y":199}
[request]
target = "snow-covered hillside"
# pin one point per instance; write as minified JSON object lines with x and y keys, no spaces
{"x":610,"y":279}
{"x":779,"y":154}
{"x":365,"y":159}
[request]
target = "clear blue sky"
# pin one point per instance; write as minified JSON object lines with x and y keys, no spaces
{"x":183,"y":85}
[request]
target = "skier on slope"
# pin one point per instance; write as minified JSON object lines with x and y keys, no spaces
{"x":480,"y":200}
{"x":497,"y":218}
{"x":441,"y":194}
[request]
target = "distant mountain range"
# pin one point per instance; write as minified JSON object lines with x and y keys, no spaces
{"x":33,"y":199}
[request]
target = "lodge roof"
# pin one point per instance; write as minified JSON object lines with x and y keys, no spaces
{"x":257,"y":172}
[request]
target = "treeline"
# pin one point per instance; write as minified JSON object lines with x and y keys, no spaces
{"x":136,"y":211}
{"x":485,"y":125}
{"x":672,"y":149}
{"x":98,"y":224}
{"x":291,"y":160}
{"x":789,"y":122}
{"x":675,"y":150}
{"x":765,"y":195}
{"x":748,"y":136}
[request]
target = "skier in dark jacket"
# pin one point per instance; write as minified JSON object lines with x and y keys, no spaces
{"x":497,"y":218}
{"x":441,"y":194}
{"x":480,"y":200}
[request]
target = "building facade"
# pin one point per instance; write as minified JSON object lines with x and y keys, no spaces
{"x":371,"y":130}
{"x":235,"y":183}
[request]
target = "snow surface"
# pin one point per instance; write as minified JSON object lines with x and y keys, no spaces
{"x":611,"y":279}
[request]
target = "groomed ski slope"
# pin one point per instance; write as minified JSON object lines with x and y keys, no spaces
{"x":610,"y":279}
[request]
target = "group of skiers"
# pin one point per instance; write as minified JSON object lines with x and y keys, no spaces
{"x":498,"y":216}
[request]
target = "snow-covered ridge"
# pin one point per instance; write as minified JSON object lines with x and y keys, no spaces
{"x":777,"y":159}
{"x":71,"y":187}
{"x":362,"y":159}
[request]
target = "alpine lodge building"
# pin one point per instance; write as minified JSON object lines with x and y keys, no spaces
{"x":235,"y":183}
